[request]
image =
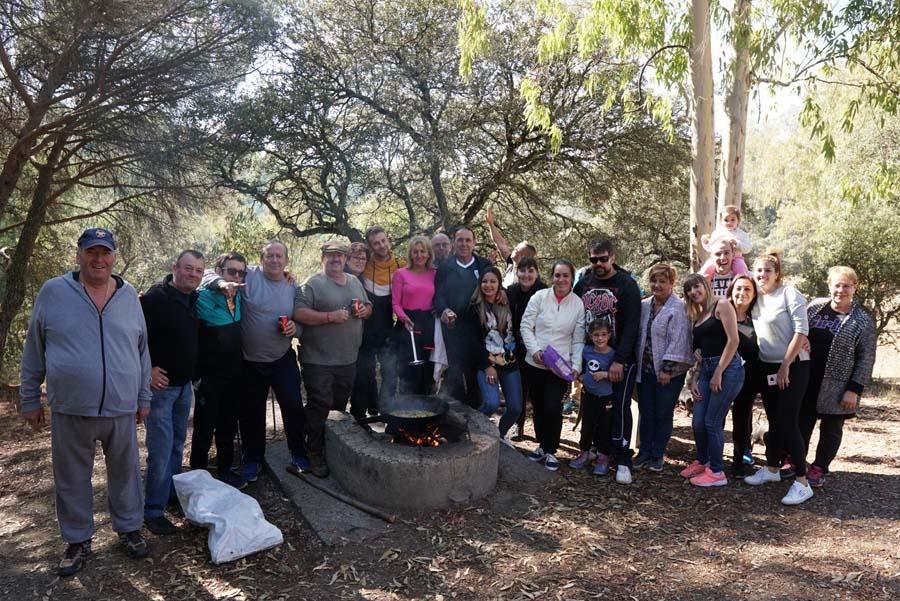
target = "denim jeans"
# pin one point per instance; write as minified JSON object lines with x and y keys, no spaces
{"x":511,"y":382}
{"x":711,"y":409}
{"x":166,"y":429}
{"x":656,"y":403}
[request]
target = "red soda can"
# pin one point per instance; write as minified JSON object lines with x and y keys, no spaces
{"x":357,"y":306}
{"x":283,"y":322}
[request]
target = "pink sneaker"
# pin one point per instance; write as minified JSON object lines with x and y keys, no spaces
{"x":709,"y":478}
{"x":694,"y":469}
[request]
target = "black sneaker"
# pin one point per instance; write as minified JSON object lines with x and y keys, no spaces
{"x":160,"y":526}
{"x":787,"y":471}
{"x":135,"y":544}
{"x":73,"y":559}
{"x":738,"y":470}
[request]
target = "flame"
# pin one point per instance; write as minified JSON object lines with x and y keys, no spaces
{"x":431,"y":438}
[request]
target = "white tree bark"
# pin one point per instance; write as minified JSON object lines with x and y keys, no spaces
{"x":702,"y":144}
{"x":734,"y":139}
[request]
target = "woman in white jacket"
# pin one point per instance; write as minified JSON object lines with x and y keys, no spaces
{"x":554,"y":317}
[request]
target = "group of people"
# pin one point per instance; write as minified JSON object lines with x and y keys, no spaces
{"x":218,"y":337}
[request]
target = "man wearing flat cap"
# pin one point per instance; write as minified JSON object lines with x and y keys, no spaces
{"x":331,"y":305}
{"x":88,"y":338}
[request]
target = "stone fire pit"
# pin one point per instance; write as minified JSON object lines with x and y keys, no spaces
{"x":405,"y":478}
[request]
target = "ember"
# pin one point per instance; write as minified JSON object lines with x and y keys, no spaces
{"x":430,"y":437}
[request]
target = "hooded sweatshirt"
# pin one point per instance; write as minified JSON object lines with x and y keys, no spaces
{"x":97,"y":363}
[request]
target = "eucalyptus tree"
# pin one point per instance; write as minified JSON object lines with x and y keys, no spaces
{"x":93,"y":104}
{"x":670,"y":43}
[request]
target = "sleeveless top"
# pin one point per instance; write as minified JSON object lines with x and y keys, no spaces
{"x":710,"y":337}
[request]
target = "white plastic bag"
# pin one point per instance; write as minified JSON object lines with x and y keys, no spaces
{"x":236,"y":524}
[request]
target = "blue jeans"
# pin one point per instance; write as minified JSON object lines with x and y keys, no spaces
{"x":656,"y":403}
{"x":490,"y":396}
{"x":710,"y":411}
{"x":166,"y":429}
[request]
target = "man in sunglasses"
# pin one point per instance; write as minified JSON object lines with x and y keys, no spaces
{"x":219,"y":367}
{"x":609,"y":292}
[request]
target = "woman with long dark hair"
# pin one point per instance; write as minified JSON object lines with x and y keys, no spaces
{"x":497,"y":365}
{"x":742,"y":295}
{"x":554,"y":317}
{"x":528,"y":282}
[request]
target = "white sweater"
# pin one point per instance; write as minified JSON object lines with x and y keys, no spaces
{"x":560,"y":325}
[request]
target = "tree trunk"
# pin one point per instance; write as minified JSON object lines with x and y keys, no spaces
{"x":734,"y":139}
{"x":16,"y":272}
{"x":702,"y":146}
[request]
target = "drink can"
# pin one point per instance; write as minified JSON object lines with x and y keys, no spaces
{"x":283,"y":323}
{"x":357,"y":306}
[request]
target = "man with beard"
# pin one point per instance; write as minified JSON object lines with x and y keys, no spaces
{"x":329,"y":306}
{"x":375,"y":347}
{"x":441,"y":247}
{"x":609,"y":292}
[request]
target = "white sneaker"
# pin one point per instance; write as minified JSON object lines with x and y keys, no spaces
{"x":797,"y":494}
{"x":762,"y":476}
{"x":537,"y":454}
{"x":551,"y":462}
{"x":623,"y":474}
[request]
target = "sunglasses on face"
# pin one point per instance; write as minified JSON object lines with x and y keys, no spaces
{"x":595,"y":260}
{"x":235,"y":272}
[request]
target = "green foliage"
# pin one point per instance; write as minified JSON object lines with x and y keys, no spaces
{"x":840,"y":210}
{"x":865,"y":236}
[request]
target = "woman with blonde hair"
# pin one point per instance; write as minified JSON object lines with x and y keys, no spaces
{"x":781,"y":325}
{"x":663,"y":358}
{"x":842,"y":353}
{"x":412,"y":294}
{"x":718,"y":378}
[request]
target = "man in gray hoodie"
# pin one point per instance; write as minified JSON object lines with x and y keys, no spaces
{"x":88,"y":338}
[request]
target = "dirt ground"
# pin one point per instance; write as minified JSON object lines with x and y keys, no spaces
{"x":582,"y":537}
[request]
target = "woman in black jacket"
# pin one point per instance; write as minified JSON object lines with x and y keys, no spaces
{"x":529,"y":282}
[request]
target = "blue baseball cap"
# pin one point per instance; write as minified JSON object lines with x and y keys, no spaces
{"x":96,"y":236}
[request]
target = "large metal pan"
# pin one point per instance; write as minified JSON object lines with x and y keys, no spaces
{"x":410,"y":413}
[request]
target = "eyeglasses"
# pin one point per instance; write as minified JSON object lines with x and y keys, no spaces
{"x":599,"y":259}
{"x":235,"y":272}
{"x":359,"y":257}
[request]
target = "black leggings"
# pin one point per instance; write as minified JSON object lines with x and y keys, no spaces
{"x":742,"y":411}
{"x":783,"y":409}
{"x":596,"y":421}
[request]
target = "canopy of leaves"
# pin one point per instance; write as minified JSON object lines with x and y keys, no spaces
{"x":363,"y":117}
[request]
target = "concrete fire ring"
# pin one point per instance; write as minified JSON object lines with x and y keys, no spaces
{"x":414,"y":479}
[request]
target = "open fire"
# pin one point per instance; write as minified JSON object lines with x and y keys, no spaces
{"x":430,"y":436}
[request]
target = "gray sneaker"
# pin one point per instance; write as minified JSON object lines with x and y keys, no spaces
{"x":73,"y":559}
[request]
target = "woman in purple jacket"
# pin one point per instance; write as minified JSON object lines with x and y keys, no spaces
{"x":663,"y":358}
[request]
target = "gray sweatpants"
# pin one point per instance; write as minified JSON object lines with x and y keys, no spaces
{"x":73,"y":442}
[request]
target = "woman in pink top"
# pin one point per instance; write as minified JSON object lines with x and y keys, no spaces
{"x":412,"y":291}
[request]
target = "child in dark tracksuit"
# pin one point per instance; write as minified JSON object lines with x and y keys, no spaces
{"x":596,"y":398}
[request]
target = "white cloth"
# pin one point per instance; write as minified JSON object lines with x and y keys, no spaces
{"x":439,"y":353}
{"x":237,"y":527}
